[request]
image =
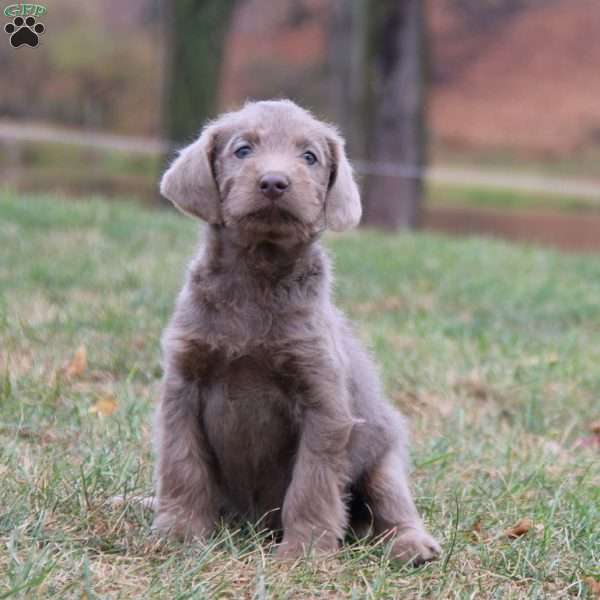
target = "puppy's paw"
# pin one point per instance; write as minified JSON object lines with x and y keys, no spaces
{"x":289,"y":550}
{"x":292,"y":549}
{"x":415,"y":546}
{"x":172,"y":525}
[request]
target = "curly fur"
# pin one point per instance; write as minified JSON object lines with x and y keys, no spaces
{"x":270,"y":407}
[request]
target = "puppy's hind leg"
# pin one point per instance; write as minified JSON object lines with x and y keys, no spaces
{"x":394,"y":511}
{"x":187,"y":503}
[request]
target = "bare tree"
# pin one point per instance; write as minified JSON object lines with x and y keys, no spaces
{"x":347,"y":44}
{"x":385,"y":112}
{"x":196,"y":32}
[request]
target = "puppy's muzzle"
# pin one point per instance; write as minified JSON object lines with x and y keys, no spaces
{"x":273,"y":185}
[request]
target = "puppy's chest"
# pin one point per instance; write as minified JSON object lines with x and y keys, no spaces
{"x":251,"y":416}
{"x":250,"y":326}
{"x":255,"y":394}
{"x":254,"y":387}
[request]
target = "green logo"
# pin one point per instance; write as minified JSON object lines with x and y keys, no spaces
{"x":25,"y":28}
{"x":25,"y":10}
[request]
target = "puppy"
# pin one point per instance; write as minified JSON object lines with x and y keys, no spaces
{"x":270,"y":408}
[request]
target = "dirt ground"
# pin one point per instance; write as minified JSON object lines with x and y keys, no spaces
{"x":574,"y":232}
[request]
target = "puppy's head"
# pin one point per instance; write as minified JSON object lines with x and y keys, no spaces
{"x":270,"y":170}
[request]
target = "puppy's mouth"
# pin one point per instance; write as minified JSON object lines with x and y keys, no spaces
{"x":272,"y":215}
{"x":274,"y":224}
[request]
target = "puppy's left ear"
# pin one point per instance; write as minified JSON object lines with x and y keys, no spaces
{"x":343,"y":209}
{"x":189,"y":182}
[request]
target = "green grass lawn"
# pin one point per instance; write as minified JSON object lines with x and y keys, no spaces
{"x":492,"y":351}
{"x":477,"y":196}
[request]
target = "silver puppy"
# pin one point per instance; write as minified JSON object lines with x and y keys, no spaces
{"x":270,"y":407}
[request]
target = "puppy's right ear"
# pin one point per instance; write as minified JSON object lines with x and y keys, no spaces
{"x":189,"y":182}
{"x":343,"y":209}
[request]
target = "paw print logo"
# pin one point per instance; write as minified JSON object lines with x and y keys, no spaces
{"x":24,"y":31}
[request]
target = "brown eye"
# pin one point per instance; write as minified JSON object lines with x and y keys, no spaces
{"x":243,"y":151}
{"x":309,"y":157}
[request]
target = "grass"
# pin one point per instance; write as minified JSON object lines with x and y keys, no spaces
{"x":484,"y":197}
{"x":491,"y":349}
{"x":72,"y":170}
{"x":562,"y":162}
{"x":56,"y":156}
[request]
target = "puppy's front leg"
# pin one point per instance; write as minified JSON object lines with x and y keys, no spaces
{"x":186,"y":493}
{"x":314,"y":512}
{"x":394,"y":511}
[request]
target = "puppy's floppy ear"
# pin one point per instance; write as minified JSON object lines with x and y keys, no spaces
{"x":189,"y":182}
{"x":343,"y":209}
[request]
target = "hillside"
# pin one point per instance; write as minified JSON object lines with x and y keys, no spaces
{"x":508,"y":75}
{"x":528,"y":81}
{"x":517,"y":75}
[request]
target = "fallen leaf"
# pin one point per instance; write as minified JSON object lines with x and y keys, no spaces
{"x":104,"y":406}
{"x":423,"y":403}
{"x":477,"y":529}
{"x":475,"y":387}
{"x":521,"y":527}
{"x":78,"y":363}
{"x":590,"y":441}
{"x":45,"y":436}
{"x":593,"y":585}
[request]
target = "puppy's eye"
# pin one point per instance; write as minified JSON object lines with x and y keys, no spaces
{"x":243,"y":151}
{"x":309,"y":157}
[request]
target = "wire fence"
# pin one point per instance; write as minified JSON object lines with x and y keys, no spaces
{"x":532,"y":183}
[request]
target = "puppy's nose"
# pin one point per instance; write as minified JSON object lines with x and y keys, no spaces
{"x":272,"y":185}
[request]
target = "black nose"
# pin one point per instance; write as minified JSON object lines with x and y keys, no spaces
{"x":272,"y":185}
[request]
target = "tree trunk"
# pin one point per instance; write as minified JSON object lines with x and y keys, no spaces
{"x":396,"y":134}
{"x":347,"y":40}
{"x":384,"y":116}
{"x":196,"y":31}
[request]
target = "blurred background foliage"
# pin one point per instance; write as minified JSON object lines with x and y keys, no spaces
{"x":509,"y":84}
{"x":98,"y":66}
{"x":504,"y":75}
